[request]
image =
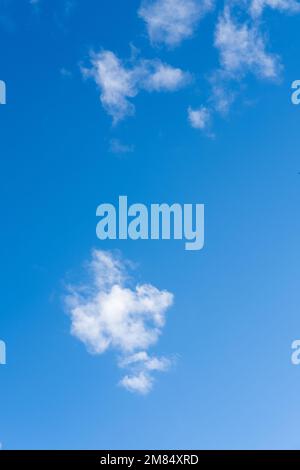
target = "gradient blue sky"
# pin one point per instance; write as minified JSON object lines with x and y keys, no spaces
{"x":237,"y":304}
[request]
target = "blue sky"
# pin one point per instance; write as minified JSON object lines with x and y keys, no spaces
{"x":70,"y":142}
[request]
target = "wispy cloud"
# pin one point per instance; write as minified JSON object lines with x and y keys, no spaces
{"x":120,"y":82}
{"x":142,"y":367}
{"x":289,"y":6}
{"x":172,"y":21}
{"x":118,"y":147}
{"x":199,"y":118}
{"x":109,"y":313}
{"x":65,"y":73}
{"x":242,"y":48}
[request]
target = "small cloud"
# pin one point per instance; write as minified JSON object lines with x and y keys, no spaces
{"x":172,"y":21}
{"x":109,"y":314}
{"x":199,"y":118}
{"x":148,"y":363}
{"x":140,"y":380}
{"x":163,"y":77}
{"x":119,"y":83}
{"x":115,"y":146}
{"x":140,"y":383}
{"x":223,"y":91}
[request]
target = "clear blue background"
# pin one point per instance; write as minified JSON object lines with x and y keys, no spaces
{"x":237,"y":302}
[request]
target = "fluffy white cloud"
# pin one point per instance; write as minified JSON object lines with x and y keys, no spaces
{"x":108,"y":314}
{"x":140,"y":383}
{"x":242,"y":49}
{"x":120,"y":82}
{"x":199,"y":118}
{"x":289,"y":6}
{"x":172,"y":21}
{"x":162,"y":77}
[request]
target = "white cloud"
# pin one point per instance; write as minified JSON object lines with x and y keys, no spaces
{"x":242,"y":49}
{"x":116,"y":83}
{"x":172,"y":21}
{"x":119,"y":82}
{"x":288,"y":6}
{"x":141,"y":364}
{"x":163,"y":77}
{"x":148,"y":363}
{"x":140,"y":383}
{"x":109,"y":314}
{"x":199,"y":118}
